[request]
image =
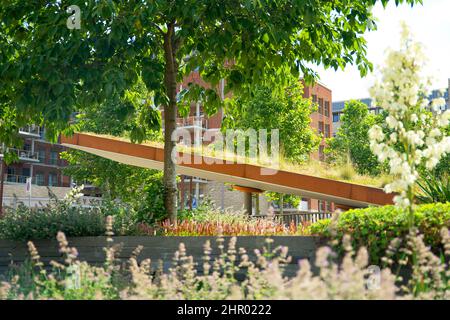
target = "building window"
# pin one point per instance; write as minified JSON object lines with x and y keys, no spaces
{"x":320,"y":105}
{"x":11,"y":171}
{"x":327,"y":108}
{"x":321,"y":129}
{"x":329,"y":206}
{"x":41,"y":155}
{"x":314,"y":98}
{"x":26,"y":172}
{"x":327,"y":131}
{"x":11,"y":174}
{"x":53,"y":180}
{"x":322,"y":206}
{"x":40,"y":179}
{"x":54,"y":158}
{"x":42,"y":133}
{"x":304,"y":205}
{"x":335,"y":117}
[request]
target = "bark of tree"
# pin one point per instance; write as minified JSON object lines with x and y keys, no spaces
{"x":2,"y":177}
{"x":170,"y":125}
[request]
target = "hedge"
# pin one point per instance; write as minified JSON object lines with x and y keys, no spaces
{"x":375,"y":227}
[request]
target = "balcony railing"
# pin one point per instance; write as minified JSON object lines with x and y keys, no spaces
{"x":31,"y":130}
{"x":298,"y":217}
{"x":23,"y":154}
{"x":193,"y":121}
{"x":13,"y":178}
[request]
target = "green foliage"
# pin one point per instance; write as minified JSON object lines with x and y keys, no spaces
{"x":375,"y":227}
{"x":51,"y":71}
{"x":132,"y":115}
{"x":285,"y":110}
{"x":90,"y":283}
{"x":281,"y":199}
{"x":150,"y":203}
{"x":443,"y":167}
{"x":433,"y":188}
{"x":351,"y":143}
{"x":141,"y":188}
{"x":75,"y":221}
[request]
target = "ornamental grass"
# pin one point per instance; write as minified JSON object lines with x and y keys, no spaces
{"x":257,"y":227}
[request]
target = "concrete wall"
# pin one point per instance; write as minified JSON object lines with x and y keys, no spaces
{"x":90,"y":249}
{"x":36,"y":191}
{"x":15,"y":193}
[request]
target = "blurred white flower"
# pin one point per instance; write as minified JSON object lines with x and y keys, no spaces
{"x":401,"y":87}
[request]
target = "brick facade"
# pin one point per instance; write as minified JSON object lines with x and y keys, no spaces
{"x":322,"y":119}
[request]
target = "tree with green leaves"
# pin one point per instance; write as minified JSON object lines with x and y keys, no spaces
{"x":351,"y":143}
{"x":140,"y":188}
{"x":285,"y":110}
{"x":49,"y":70}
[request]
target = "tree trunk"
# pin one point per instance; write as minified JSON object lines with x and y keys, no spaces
{"x":2,"y":177}
{"x":170,"y":125}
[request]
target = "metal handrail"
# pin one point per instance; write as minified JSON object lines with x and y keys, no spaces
{"x":23,"y":153}
{"x":14,"y":178}
{"x":192,"y":121}
{"x":299,"y":217}
{"x":31,"y":129}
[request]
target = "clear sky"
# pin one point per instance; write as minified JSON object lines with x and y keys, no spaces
{"x":430,"y":25}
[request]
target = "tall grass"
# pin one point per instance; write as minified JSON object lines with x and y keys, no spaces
{"x":207,"y":221}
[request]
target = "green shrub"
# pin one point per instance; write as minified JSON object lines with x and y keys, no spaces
{"x":149,"y":206}
{"x":375,"y":227}
{"x":433,"y":188}
{"x":74,"y":220}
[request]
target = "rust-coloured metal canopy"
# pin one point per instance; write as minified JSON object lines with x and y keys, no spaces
{"x":242,"y":174}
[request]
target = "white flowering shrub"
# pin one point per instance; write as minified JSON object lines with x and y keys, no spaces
{"x":414,"y":124}
{"x":74,"y":194}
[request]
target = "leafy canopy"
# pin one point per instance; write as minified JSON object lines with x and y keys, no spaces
{"x":286,"y":111}
{"x":351,"y":143}
{"x":48,"y":71}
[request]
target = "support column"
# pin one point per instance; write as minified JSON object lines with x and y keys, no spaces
{"x":190,"y":194}
{"x":182,"y":192}
{"x":248,"y":192}
{"x":257,"y":208}
{"x":197,"y":193}
{"x":248,"y":202}
{"x":2,"y":178}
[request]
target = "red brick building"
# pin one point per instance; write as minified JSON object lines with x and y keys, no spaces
{"x":38,"y":159}
{"x":322,"y":119}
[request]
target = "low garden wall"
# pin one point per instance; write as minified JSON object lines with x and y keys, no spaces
{"x":90,"y":249}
